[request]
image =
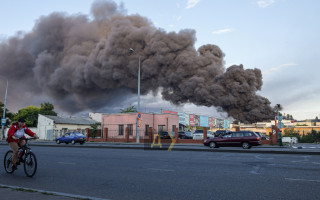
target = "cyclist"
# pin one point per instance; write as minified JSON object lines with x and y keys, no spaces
{"x":16,"y":136}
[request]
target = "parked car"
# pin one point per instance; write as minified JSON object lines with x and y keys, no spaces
{"x":246,"y":139}
{"x":222,"y":133}
{"x":71,"y":138}
{"x":198,"y":135}
{"x":185,"y":135}
{"x":164,"y":135}
{"x":210,"y":134}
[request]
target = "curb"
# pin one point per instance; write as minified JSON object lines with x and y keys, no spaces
{"x":45,"y":192}
{"x":289,"y":151}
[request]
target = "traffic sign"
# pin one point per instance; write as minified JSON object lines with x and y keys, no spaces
{"x":139,"y":115}
{"x":3,"y":121}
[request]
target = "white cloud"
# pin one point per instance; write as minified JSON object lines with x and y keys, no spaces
{"x":264,"y":3}
{"x":171,"y":25}
{"x":222,"y":31}
{"x":192,"y":3}
{"x":276,"y":69}
{"x":179,"y":18}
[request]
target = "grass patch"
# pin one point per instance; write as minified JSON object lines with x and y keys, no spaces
{"x":24,"y":190}
{"x":48,"y":193}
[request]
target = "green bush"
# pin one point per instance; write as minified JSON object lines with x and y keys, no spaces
{"x":312,"y":137}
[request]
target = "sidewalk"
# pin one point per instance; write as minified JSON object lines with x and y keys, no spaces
{"x":302,"y":148}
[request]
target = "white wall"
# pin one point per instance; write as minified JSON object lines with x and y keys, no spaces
{"x":95,"y":116}
{"x":45,"y":128}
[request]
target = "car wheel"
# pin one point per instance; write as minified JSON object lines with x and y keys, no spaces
{"x":58,"y":141}
{"x":73,"y":142}
{"x":213,"y":145}
{"x":81,"y":142}
{"x":246,"y":145}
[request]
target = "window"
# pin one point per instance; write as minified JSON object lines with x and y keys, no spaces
{"x":130,"y":127}
{"x":147,"y":130}
{"x":64,"y":130}
{"x":160,"y":128}
{"x":121,"y":129}
{"x":247,"y":134}
{"x":237,"y":135}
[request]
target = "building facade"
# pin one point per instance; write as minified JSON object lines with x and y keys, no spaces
{"x":117,"y":124}
{"x":50,"y":127}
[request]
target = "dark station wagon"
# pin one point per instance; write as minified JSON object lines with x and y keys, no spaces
{"x":244,"y":139}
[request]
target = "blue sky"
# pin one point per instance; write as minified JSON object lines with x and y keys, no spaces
{"x":278,"y":36}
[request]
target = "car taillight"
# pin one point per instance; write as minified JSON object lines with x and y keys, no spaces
{"x":258,"y":139}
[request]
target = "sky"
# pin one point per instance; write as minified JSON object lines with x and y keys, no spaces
{"x":280,"y":37}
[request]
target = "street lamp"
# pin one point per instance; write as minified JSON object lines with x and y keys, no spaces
{"x":4,"y":109}
{"x":138,"y":127}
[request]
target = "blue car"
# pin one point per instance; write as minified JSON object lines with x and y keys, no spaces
{"x":71,"y":138}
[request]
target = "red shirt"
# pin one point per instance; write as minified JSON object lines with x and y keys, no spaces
{"x":14,"y":128}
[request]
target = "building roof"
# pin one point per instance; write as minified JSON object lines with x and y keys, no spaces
{"x":71,"y":120}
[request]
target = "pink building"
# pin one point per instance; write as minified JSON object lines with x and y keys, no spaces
{"x":117,"y":124}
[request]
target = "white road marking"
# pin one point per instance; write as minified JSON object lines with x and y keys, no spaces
{"x":255,"y":169}
{"x":298,"y":179}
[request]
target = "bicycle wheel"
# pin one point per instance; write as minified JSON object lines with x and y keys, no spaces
{"x":7,"y":162}
{"x":30,"y":164}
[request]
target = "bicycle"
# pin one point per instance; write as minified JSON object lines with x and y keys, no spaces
{"x":25,"y":156}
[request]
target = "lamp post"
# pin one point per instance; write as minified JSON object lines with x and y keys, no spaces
{"x":138,"y":127}
{"x":4,"y":109}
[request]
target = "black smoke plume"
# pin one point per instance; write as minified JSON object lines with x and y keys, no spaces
{"x":84,"y":63}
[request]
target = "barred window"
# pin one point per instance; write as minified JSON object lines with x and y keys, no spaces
{"x":147,"y":130}
{"x":121,"y":129}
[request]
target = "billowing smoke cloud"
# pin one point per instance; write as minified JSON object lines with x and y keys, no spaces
{"x":84,"y":63}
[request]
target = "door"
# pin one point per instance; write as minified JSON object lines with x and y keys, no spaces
{"x":236,"y":139}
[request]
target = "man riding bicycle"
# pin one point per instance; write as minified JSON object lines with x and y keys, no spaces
{"x":16,"y":136}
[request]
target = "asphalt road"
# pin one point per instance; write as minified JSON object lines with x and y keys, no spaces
{"x":140,"y":174}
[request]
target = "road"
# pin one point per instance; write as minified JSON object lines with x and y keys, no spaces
{"x":140,"y":174}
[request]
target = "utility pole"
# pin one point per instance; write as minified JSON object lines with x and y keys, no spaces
{"x":4,"y":120}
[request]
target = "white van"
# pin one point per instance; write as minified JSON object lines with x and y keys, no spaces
{"x":290,"y":140}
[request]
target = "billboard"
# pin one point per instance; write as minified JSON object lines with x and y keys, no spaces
{"x":197,"y":120}
{"x":204,"y":121}
{"x":211,"y":125}
{"x":226,"y":124}
{"x":191,"y":120}
{"x":220,"y":123}
{"x":184,"y":119}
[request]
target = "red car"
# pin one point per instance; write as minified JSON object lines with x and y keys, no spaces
{"x":244,"y":139}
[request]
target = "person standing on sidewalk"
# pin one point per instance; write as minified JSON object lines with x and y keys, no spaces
{"x":16,"y":136}
{"x":280,"y":138}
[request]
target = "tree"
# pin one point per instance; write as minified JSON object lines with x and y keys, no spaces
{"x":47,"y":109}
{"x":129,"y":109}
{"x":94,"y":129}
{"x":30,"y":114}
